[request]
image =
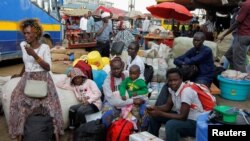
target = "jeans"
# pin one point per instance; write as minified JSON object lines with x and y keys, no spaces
{"x":236,"y":55}
{"x":77,"y":113}
{"x":226,"y":62}
{"x":174,"y":129}
{"x":103,"y":47}
{"x":142,"y":42}
{"x":110,"y":115}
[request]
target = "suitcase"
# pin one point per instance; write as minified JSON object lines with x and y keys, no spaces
{"x":38,"y":128}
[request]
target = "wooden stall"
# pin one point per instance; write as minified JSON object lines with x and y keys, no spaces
{"x":72,"y":31}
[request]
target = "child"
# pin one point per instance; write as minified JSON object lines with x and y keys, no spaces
{"x":136,"y":88}
{"x":86,"y":92}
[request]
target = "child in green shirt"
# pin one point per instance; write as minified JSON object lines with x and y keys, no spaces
{"x":135,"y":88}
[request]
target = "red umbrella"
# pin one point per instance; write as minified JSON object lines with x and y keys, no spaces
{"x":170,"y":10}
{"x":103,"y":9}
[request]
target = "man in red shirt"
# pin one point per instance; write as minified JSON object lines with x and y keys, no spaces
{"x":237,"y":54}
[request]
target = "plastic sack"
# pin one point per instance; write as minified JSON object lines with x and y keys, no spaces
{"x":105,"y":61}
{"x":94,"y":58}
{"x":99,"y":77}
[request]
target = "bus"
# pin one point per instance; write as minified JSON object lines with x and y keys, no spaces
{"x":167,"y":24}
{"x":12,"y":12}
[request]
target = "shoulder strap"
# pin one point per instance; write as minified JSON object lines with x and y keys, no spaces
{"x":188,"y":84}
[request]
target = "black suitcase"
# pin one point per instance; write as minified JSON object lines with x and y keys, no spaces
{"x":90,"y":131}
{"x":38,"y":128}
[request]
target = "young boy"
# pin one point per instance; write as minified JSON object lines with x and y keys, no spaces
{"x":135,"y":88}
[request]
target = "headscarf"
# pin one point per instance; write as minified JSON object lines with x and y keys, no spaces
{"x":105,"y":14}
{"x":76,"y":72}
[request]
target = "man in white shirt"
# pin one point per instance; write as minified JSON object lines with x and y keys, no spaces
{"x":134,"y":59}
{"x":83,"y":27}
{"x":182,"y":121}
{"x":145,"y":29}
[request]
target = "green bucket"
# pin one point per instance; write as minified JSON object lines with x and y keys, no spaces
{"x":229,"y":114}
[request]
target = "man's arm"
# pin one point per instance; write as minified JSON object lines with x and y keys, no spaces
{"x":179,"y":61}
{"x":99,"y":32}
{"x":230,"y":30}
{"x":164,"y":110}
{"x":199,"y":58}
{"x":184,"y":111}
{"x":156,"y":110}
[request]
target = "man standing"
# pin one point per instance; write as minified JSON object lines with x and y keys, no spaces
{"x":237,"y":55}
{"x":83,"y":27}
{"x":103,"y":30}
{"x":145,"y":29}
{"x":90,"y":26}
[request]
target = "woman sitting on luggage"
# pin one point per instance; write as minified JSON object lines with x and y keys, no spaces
{"x":112,"y":103}
{"x":86,"y":92}
{"x":37,"y":64}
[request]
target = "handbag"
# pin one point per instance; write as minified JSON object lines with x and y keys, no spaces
{"x":117,"y":47}
{"x":189,"y":72}
{"x":35,"y":88}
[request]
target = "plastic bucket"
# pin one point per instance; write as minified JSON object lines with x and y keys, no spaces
{"x":234,"y":89}
{"x":229,"y":113}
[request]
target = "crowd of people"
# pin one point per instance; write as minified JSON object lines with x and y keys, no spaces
{"x":124,"y":89}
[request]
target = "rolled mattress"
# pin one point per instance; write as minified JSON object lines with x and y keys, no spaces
{"x":66,"y":97}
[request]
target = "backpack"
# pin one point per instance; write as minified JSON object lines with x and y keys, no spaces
{"x":85,"y":68}
{"x":117,"y":48}
{"x":189,"y":72}
{"x":148,"y":73}
{"x":38,"y":128}
{"x":120,"y":130}
{"x":90,"y":131}
{"x":207,"y":100}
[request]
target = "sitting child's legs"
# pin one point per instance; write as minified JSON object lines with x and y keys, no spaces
{"x":84,"y":110}
{"x":77,"y":114}
{"x":72,"y":116}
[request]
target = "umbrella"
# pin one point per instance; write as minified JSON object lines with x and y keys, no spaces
{"x":99,"y":9}
{"x":170,"y":10}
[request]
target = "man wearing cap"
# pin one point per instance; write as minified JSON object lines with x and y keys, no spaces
{"x":103,"y":30}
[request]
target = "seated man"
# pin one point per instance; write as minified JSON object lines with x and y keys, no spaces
{"x":182,"y":121}
{"x":202,"y":57}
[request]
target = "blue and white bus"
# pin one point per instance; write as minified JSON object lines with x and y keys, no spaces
{"x":12,"y":12}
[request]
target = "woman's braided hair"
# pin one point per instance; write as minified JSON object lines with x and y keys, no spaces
{"x":34,"y":24}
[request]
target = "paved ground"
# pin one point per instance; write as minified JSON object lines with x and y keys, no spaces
{"x":15,"y":66}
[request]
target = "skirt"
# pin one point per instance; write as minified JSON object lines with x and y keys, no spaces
{"x":22,"y":106}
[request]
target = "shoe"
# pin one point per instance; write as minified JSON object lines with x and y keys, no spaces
{"x":71,"y":127}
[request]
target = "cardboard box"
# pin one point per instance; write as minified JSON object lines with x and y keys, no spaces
{"x":143,"y":136}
